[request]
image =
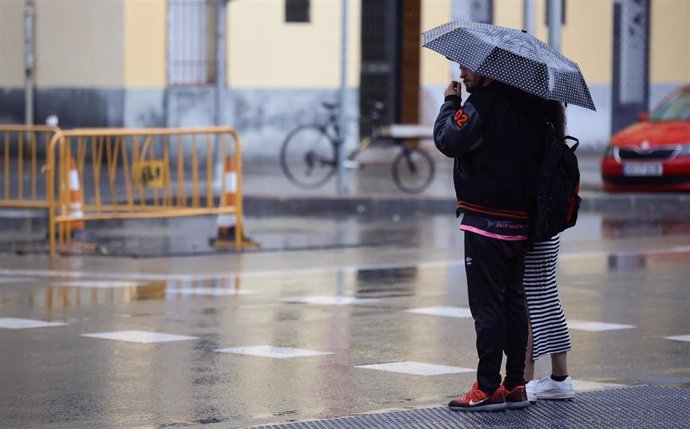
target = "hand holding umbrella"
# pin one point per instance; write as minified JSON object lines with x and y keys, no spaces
{"x":453,"y":89}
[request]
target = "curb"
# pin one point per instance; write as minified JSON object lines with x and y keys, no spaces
{"x":386,"y":205}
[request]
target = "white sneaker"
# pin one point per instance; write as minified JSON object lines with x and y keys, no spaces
{"x":531,"y":388}
{"x":546,"y":388}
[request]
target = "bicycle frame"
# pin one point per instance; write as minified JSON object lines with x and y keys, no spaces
{"x":412,"y":168}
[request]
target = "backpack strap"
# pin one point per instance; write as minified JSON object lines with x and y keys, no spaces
{"x":575,"y":145}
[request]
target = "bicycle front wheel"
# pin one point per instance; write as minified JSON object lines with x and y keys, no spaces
{"x":413,"y":170}
{"x":308,"y":157}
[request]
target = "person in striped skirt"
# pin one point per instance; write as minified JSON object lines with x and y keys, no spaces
{"x":548,"y":327}
{"x":548,"y":333}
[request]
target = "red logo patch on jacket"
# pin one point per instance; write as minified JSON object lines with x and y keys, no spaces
{"x":461,"y":118}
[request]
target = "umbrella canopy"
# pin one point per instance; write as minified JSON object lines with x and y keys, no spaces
{"x":513,"y":57}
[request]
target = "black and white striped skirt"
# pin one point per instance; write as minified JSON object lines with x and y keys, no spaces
{"x":549,"y":328}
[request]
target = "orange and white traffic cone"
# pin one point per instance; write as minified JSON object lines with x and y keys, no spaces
{"x":75,"y":197}
{"x":228,"y":229}
{"x":227,"y":223}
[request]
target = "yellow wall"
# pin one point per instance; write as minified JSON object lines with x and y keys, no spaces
{"x":265,"y":51}
{"x":11,"y":43}
{"x":116,"y":43}
{"x":508,"y":13}
{"x":434,"y":68}
{"x":670,"y":42}
{"x":145,"y":43}
{"x":586,"y":37}
{"x":80,"y":43}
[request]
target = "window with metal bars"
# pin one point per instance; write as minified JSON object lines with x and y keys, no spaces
{"x":191,"y":42}
{"x":297,"y":10}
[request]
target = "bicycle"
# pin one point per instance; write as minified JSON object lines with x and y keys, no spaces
{"x":309,"y":154}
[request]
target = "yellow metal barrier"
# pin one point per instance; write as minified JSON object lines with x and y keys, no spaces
{"x":140,"y":173}
{"x":23,"y":152}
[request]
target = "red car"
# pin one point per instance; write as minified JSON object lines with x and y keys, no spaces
{"x":654,"y":154}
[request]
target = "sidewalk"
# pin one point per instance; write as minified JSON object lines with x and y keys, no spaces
{"x":371,"y":189}
{"x":375,"y":179}
{"x":269,"y":199}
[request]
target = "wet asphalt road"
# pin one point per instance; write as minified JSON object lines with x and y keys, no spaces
{"x":628,"y":269}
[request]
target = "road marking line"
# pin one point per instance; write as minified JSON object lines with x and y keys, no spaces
{"x":591,"y":386}
{"x":329,"y":300}
{"x":279,"y":272}
{"x":207,"y":291}
{"x":273,"y":352}
{"x":591,"y":326}
{"x":679,"y":338}
{"x":459,"y":312}
{"x":14,"y":323}
{"x":417,"y":368}
{"x":141,"y":337}
{"x":98,"y":284}
{"x":14,"y":280}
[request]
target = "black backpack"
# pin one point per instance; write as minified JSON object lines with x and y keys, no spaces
{"x":558,"y":184}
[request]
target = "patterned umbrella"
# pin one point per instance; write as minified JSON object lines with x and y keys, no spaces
{"x":513,"y":57}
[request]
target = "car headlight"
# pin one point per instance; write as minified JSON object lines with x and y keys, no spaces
{"x":684,"y":150}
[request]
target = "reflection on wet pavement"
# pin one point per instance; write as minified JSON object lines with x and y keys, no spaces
{"x":271,"y":337}
{"x":654,"y":225}
{"x":186,"y":237}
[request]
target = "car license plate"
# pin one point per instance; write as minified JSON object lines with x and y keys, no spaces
{"x":643,"y":169}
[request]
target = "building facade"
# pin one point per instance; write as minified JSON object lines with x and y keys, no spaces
{"x":156,"y":63}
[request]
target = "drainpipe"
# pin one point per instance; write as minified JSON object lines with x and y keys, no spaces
{"x":29,"y":15}
{"x":221,"y":7}
{"x":221,"y":62}
{"x":529,"y":17}
{"x":341,"y":182}
{"x":554,"y":19}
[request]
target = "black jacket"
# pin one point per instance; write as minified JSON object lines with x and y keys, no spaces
{"x":496,"y":138}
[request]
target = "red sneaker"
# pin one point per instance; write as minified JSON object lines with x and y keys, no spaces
{"x":478,"y":400}
{"x":516,"y":398}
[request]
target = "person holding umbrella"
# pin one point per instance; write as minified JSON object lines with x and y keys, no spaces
{"x":493,"y":179}
{"x":496,"y":140}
